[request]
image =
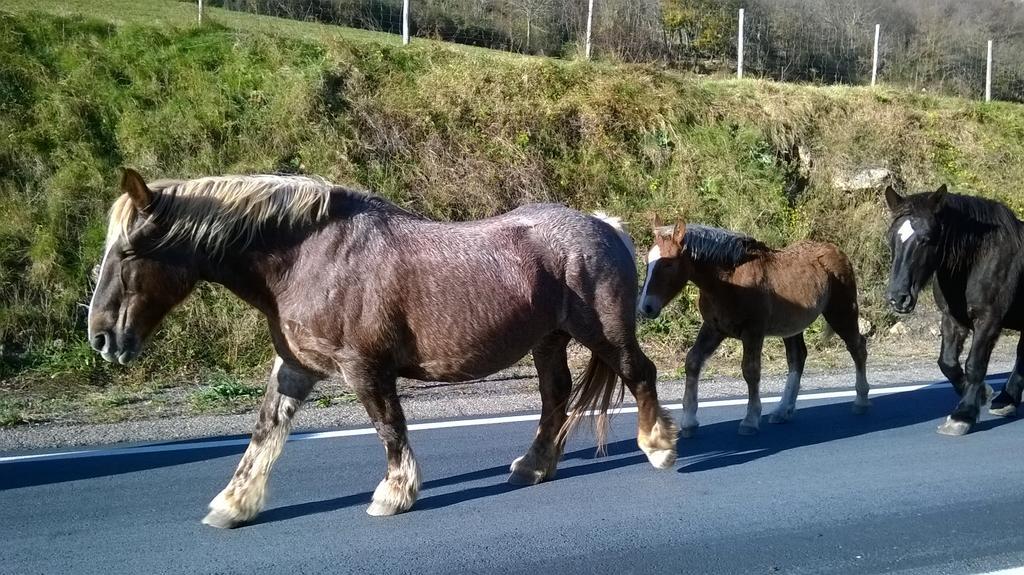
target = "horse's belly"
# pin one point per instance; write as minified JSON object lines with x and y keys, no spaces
{"x":475,"y":345}
{"x":462,"y":363}
{"x":790,"y":320}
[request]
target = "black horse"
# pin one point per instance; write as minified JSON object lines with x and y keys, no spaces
{"x":975,"y":249}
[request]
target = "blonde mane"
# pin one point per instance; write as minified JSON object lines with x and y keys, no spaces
{"x":216,"y":212}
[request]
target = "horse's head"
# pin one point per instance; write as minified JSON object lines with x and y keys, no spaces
{"x":668,"y":269}
{"x":914,"y":242}
{"x":139,"y":280}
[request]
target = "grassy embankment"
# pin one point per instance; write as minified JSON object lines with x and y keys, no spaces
{"x":450,"y":132}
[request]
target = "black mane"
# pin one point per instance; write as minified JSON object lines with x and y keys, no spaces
{"x":718,"y":247}
{"x":966,"y":223}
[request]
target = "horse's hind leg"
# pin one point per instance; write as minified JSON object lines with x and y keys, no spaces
{"x":1005,"y":404}
{"x":376,"y":390}
{"x":842,"y":314}
{"x":243,"y":497}
{"x":540,"y":461}
{"x":657,"y":433}
{"x":752,"y":345}
{"x":796,"y":357}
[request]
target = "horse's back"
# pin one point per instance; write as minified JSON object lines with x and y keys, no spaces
{"x":801,"y":281}
{"x":575,"y":234}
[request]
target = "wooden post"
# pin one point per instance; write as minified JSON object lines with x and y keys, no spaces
{"x":200,"y":12}
{"x":405,"y":22}
{"x":739,"y":49}
{"x":988,"y":74}
{"x":590,"y":19}
{"x":874,"y":58}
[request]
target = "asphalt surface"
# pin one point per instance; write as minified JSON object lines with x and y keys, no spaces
{"x":829,"y":493}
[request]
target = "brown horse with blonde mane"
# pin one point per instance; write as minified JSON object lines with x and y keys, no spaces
{"x":353,"y":285}
{"x":749,"y":291}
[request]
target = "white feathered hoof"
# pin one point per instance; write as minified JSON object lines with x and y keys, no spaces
{"x":391,"y":498}
{"x":231,"y":508}
{"x":1003,"y":405}
{"x":662,"y":458}
{"x":954,"y":427}
{"x":221,"y":519}
{"x":1004,"y":411}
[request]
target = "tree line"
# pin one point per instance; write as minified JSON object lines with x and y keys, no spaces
{"x":932,"y":45}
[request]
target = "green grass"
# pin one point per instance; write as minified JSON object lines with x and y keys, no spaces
{"x":224,"y":393}
{"x":453,"y":133}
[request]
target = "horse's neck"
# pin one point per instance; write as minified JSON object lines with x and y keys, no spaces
{"x":709,"y":276}
{"x":250,"y":276}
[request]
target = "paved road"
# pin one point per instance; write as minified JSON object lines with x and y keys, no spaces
{"x":829,"y":493}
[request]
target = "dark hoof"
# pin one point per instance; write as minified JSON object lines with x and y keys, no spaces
{"x":954,"y":427}
{"x":748,"y":430}
{"x":688,"y":432}
{"x":523,"y":474}
{"x":523,"y":477}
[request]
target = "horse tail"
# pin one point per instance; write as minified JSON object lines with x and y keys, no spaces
{"x":594,"y":393}
{"x":620,"y":229}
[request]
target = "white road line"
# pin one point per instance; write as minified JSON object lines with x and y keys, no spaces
{"x":142,"y":449}
{"x":1012,"y":571}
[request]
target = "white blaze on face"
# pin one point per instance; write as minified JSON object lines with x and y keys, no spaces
{"x":652,"y":258}
{"x":112,"y":234}
{"x":905,"y":231}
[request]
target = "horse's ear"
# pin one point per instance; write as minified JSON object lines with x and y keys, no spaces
{"x":133,"y":185}
{"x":679,"y":232}
{"x":893,"y":199}
{"x":938,"y":198}
{"x":656,"y":221}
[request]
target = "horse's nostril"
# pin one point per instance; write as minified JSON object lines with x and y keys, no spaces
{"x":99,"y":341}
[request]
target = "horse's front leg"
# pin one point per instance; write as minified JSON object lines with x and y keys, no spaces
{"x":376,"y":390}
{"x":1005,"y":404}
{"x":541,"y":460}
{"x":243,"y":497}
{"x":953,"y":337}
{"x":752,"y":345}
{"x":986,"y":332}
{"x":708,"y":340}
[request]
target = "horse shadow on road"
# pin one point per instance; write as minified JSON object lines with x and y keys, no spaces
{"x":716,"y":446}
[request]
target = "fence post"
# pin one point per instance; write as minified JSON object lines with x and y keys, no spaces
{"x":590,"y":19}
{"x":200,"y":12}
{"x":405,"y":22}
{"x":988,"y":74}
{"x":739,"y":49}
{"x":874,"y":58}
